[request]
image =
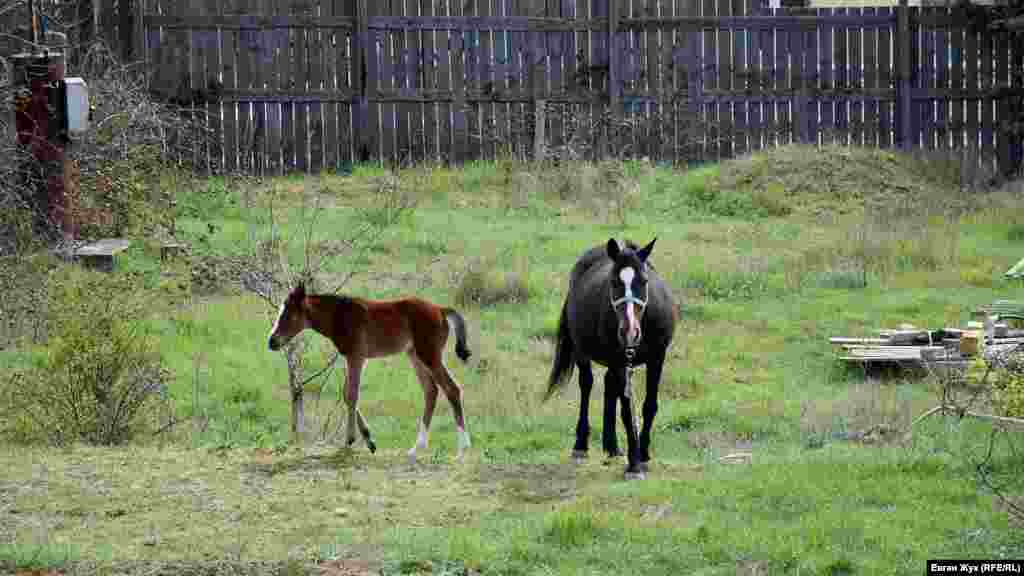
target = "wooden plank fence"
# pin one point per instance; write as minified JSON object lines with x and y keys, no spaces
{"x":311,"y":85}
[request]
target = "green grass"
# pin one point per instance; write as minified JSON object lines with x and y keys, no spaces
{"x":769,"y":255}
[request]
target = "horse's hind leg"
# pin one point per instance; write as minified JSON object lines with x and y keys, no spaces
{"x":453,"y":391}
{"x":364,"y":429}
{"x":429,"y":401}
{"x":355,"y":417}
{"x":579,"y":451}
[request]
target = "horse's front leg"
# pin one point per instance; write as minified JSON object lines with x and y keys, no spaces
{"x":355,"y":368}
{"x":612,"y":390}
{"x":650,"y":409}
{"x":633,"y":470}
{"x":583,"y":424}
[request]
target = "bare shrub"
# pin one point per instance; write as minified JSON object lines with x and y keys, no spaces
{"x":100,"y":376}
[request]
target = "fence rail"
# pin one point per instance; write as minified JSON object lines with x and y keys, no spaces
{"x":302,"y":85}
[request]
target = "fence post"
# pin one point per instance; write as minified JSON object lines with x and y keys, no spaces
{"x":614,"y":87}
{"x":904,"y":101}
{"x":539,"y":123}
{"x":38,"y":122}
{"x":365,"y":73}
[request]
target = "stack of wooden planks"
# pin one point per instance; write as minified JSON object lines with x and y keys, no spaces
{"x":904,"y":344}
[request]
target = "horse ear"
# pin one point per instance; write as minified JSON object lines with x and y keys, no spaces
{"x":613,"y":248}
{"x":646,"y":250}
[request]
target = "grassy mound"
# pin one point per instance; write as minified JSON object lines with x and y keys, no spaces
{"x":841,"y":179}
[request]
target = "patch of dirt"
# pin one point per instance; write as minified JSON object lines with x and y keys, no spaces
{"x":346,"y":568}
{"x":530,"y":484}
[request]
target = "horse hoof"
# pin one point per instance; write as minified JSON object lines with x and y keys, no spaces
{"x":635,"y":475}
{"x":645,"y":467}
{"x":579,"y":455}
{"x":371,"y":446}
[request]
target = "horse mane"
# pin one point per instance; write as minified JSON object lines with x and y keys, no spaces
{"x":335,"y":298}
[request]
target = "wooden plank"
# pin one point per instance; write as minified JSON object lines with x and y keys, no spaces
{"x":841,"y":80}
{"x":100,"y":255}
{"x":710,"y":81}
{"x":754,"y":78}
{"x":212,"y":70}
{"x":826,"y":77}
{"x":853,"y":82}
{"x":392,"y":80}
{"x":653,"y":82}
{"x":301,"y":78}
{"x":230,"y":18}
{"x":942,"y":105}
{"x":770,"y":79}
{"x":571,"y":42}
{"x":269,"y":61}
{"x":971,"y":56}
{"x":886,"y":79}
{"x":987,"y":104}
{"x":869,"y":78}
{"x":331,"y":42}
{"x":556,"y":70}
{"x":245,"y":72}
{"x":725,"y":82}
{"x":812,"y":86}
{"x":346,"y":68}
{"x":284,"y":62}
{"x":1002,"y":104}
{"x":928,"y":79}
{"x":616,"y":51}
{"x":255,"y":50}
{"x":415,"y":67}
{"x":431,"y":151}
{"x":669,"y":81}
{"x":783,"y":82}
{"x":459,"y":123}
{"x":315,"y":110}
{"x":229,"y":62}
{"x":443,"y":39}
{"x":196,"y":73}
{"x":739,"y":86}
{"x":471,"y":56}
{"x":865,"y":341}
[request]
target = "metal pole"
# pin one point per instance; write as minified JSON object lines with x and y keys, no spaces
{"x":34,"y":27}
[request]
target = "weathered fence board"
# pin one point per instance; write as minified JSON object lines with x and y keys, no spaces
{"x":317,"y":85}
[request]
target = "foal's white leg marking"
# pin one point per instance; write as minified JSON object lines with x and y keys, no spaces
{"x":429,"y":398}
{"x":422,"y":439}
{"x":464,"y":443}
{"x":355,"y":366}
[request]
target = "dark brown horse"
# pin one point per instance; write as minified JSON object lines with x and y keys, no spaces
{"x":362,"y":329}
{"x":617,"y":307}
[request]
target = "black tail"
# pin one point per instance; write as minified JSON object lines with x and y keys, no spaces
{"x":461,"y":349}
{"x":561,"y":370}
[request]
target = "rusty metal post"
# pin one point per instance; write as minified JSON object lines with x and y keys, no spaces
{"x":39,"y":107}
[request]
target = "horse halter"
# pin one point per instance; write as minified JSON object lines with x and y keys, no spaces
{"x":627,"y":275}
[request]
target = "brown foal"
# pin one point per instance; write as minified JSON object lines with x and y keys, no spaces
{"x":362,"y":329}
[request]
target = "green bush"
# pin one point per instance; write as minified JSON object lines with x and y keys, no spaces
{"x":99,"y":376}
{"x":487,"y":283}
